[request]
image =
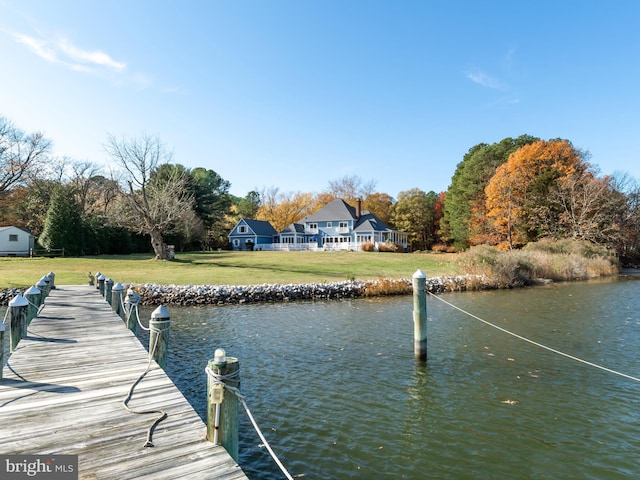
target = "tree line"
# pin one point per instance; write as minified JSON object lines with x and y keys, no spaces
{"x":522,"y":190}
{"x":505,"y":194}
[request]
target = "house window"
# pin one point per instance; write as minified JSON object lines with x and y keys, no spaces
{"x":313,"y":226}
{"x":329,"y":225}
{"x":344,"y":225}
{"x":242,"y":229}
{"x":13,"y":238}
{"x":236,"y":242}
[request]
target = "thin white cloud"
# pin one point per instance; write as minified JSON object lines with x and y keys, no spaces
{"x":39,"y":47}
{"x":483,"y":79}
{"x":95,"y":57}
{"x":63,"y":52}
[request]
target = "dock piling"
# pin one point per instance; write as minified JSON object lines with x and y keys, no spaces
{"x":108,"y":286}
{"x":101,"y":278}
{"x":42,"y":286}
{"x":420,"y":315}
{"x":222,"y":406}
{"x":18,"y":311}
{"x":159,"y":326}
{"x":131,"y":302}
{"x":52,"y":277}
{"x":33,"y":296}
{"x":117,"y":292}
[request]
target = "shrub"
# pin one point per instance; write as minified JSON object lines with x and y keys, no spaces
{"x":387,"y":286}
{"x":442,"y":248}
{"x":367,"y":247}
{"x":555,"y":260}
{"x":387,"y":247}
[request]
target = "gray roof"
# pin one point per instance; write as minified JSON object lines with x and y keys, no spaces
{"x":369,"y":222}
{"x":260,"y":227}
{"x":333,"y":211}
{"x":338,"y":210}
{"x":26,"y":230}
{"x":294,"y":228}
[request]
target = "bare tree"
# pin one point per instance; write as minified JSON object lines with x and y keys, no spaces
{"x":150,"y":206}
{"x":351,"y":187}
{"x":19,"y":152}
{"x":590,"y":208}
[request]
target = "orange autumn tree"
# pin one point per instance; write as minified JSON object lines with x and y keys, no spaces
{"x":517,"y":196}
{"x":282,"y":209}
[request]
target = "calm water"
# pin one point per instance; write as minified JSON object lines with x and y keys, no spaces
{"x":336,"y":390}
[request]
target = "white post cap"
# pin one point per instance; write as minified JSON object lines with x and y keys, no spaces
{"x":419,"y":274}
{"x":18,"y":301}
{"x":160,"y":312}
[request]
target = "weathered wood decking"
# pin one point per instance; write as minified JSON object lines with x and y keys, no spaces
{"x":63,"y":389}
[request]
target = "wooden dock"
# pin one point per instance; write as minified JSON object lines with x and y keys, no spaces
{"x":63,"y":389}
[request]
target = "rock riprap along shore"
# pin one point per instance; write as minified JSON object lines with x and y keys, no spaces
{"x":155,"y":294}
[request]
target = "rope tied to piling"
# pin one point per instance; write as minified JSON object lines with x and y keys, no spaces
{"x":38,"y":308}
{"x":125,"y":402}
{"x":537,"y":344}
{"x":219,"y":379}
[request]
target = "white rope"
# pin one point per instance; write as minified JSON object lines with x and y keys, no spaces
{"x":123,"y":309}
{"x":30,"y":302}
{"x":146,"y":329}
{"x":129,"y":311}
{"x":125,"y":402}
{"x":6,"y":314}
{"x":217,"y":378}
{"x":545,"y":347}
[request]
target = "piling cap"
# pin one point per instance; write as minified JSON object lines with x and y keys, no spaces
{"x":100,"y":277}
{"x":32,"y":291}
{"x":108,"y":280}
{"x":118,"y":287}
{"x":419,"y":274}
{"x":18,"y":301}
{"x":160,"y":312}
{"x":41,"y":283}
{"x":46,"y":280}
{"x":132,"y":293}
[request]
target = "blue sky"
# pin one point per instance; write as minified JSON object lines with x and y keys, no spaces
{"x":296,"y":93}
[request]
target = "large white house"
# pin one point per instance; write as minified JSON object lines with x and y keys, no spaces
{"x":15,"y":241}
{"x":336,"y":226}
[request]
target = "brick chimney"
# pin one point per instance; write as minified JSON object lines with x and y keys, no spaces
{"x":358,"y":209}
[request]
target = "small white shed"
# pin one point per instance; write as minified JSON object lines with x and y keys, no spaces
{"x":15,"y":241}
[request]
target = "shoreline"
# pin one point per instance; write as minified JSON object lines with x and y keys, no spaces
{"x":189,"y":295}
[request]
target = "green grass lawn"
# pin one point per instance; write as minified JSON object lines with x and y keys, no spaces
{"x":231,"y":268}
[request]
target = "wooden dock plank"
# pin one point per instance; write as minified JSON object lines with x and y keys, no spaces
{"x":63,"y":389}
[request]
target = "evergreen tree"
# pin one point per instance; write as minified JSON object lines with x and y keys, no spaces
{"x":63,"y":225}
{"x":464,"y":222}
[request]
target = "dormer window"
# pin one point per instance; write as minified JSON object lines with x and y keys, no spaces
{"x":242,"y":229}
